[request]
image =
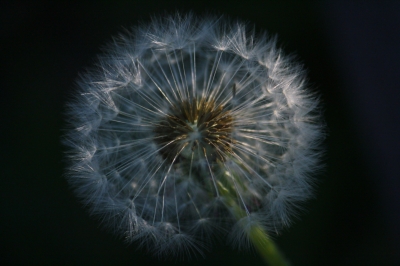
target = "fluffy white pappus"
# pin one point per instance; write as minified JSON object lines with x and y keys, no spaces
{"x":192,"y":127}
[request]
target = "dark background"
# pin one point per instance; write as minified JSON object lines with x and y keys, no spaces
{"x":351,"y":52}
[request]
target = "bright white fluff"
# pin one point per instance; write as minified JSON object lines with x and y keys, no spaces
{"x":184,"y":119}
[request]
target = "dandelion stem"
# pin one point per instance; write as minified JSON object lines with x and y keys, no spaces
{"x":258,"y":236}
{"x":266,"y":247}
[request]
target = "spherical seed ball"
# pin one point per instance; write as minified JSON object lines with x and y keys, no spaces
{"x":188,"y":127}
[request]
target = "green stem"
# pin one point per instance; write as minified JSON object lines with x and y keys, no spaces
{"x":266,"y":247}
{"x":258,"y":236}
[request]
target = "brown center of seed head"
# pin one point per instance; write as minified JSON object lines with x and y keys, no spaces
{"x":195,"y":129}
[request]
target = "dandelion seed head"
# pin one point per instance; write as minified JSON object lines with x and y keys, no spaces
{"x":184,"y":116}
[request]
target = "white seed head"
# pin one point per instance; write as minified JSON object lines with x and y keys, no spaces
{"x":184,"y":119}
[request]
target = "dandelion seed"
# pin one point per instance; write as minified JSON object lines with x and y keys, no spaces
{"x":191,"y":125}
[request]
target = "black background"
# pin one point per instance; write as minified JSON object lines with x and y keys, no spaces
{"x":352,"y":57}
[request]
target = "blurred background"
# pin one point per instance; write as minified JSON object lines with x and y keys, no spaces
{"x":351,"y":52}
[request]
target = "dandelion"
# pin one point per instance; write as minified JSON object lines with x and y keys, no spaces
{"x":188,"y":127}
